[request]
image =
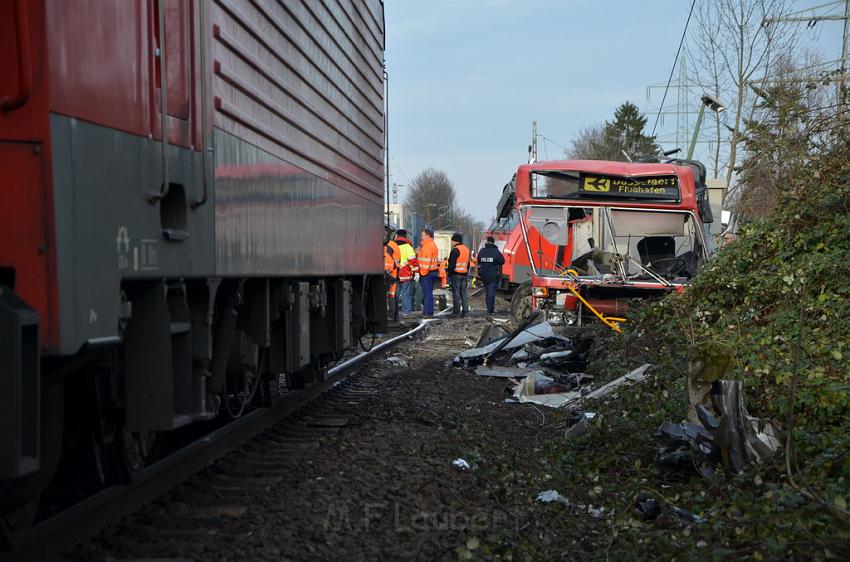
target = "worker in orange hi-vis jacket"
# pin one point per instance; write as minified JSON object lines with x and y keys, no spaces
{"x":391,"y":262}
{"x":458,"y":268}
{"x":428,"y":270}
{"x":444,"y":278}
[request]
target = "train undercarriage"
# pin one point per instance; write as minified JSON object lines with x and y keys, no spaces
{"x":191,"y":355}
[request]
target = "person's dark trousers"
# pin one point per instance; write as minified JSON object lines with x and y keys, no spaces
{"x":417,"y":295}
{"x":427,"y":283}
{"x":490,"y":295}
{"x":405,"y":293}
{"x":460,"y":304}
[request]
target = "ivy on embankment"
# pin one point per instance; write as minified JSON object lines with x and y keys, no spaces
{"x":784,"y":283}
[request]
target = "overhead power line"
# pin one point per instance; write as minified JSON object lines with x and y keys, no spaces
{"x":675,"y":60}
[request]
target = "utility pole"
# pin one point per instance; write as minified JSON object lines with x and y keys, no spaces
{"x":810,"y":17}
{"x":532,"y":148}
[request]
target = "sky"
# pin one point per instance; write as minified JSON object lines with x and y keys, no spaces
{"x":468,"y":77}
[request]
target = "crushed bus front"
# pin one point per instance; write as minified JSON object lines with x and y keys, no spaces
{"x":600,"y":234}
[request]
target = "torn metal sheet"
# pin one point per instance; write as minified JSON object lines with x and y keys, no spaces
{"x":687,"y":444}
{"x":520,"y":356}
{"x":490,"y":333}
{"x":530,"y":334}
{"x":682,"y":432}
{"x":729,"y":434}
{"x":742,"y":438}
{"x":532,"y":318}
{"x":573,"y":351}
{"x":502,"y":372}
{"x":543,"y":390}
{"x":554,"y":356}
{"x":636,"y":375}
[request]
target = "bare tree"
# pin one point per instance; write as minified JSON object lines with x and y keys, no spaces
{"x":734,"y":50}
{"x":702,"y":55}
{"x":588,"y":143}
{"x":432,"y":194}
{"x":798,"y":119}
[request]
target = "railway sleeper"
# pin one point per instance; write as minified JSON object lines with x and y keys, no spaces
{"x":233,"y":479}
{"x":139,"y":549}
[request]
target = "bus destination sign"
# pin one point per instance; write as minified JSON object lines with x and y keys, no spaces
{"x":661,"y":188}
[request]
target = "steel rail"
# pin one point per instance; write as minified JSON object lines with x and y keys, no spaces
{"x":85,"y":519}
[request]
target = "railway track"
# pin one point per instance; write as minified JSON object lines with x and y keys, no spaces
{"x":232,"y":462}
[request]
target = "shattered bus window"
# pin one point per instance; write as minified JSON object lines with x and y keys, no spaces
{"x":631,"y":244}
{"x":554,"y":185}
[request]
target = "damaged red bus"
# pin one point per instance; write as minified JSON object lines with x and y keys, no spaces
{"x":591,"y":235}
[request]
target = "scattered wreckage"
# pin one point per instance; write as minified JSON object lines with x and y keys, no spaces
{"x":546,"y":368}
{"x":728,"y":434}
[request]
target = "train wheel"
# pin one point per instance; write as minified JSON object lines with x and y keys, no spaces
{"x":521,"y":303}
{"x":270,"y":389}
{"x":138,"y":449}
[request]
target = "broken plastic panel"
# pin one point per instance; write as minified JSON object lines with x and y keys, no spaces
{"x":552,"y":496}
{"x":461,"y":464}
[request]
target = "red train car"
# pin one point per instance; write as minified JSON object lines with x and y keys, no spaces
{"x":187,"y":188}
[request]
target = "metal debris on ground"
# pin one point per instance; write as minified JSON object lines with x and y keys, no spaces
{"x":502,"y":372}
{"x":649,"y":508}
{"x":742,"y":438}
{"x":547,"y":367}
{"x":552,"y":496}
{"x":728,"y":434}
{"x":580,"y":424}
{"x":460,"y":464}
{"x":397,"y":361}
{"x":636,"y":375}
{"x":538,"y":332}
{"x":687,"y":444}
{"x":490,"y":333}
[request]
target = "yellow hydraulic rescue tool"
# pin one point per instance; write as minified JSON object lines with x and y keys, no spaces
{"x":612,"y":322}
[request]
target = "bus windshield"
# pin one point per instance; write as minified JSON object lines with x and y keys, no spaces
{"x":614,"y":243}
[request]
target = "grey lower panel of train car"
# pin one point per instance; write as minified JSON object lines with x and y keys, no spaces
{"x":107,"y":230}
{"x":275,"y":217}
